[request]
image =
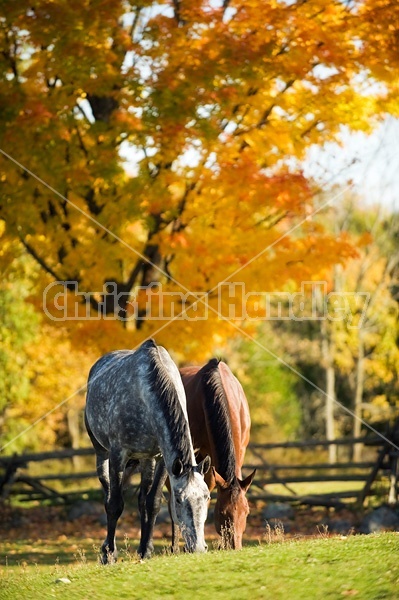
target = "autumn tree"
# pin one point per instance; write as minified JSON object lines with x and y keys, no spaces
{"x":345,"y":356}
{"x":271,"y":388}
{"x":208,"y":100}
{"x":18,"y":328}
{"x":367,"y":351}
{"x":40,"y":370}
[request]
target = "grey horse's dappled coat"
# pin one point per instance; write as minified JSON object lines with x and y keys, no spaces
{"x":136,"y":414}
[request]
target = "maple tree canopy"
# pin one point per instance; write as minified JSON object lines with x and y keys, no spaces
{"x":209,"y":100}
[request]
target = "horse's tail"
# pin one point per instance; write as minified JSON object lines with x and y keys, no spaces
{"x":218,"y":419}
{"x":168,"y":414}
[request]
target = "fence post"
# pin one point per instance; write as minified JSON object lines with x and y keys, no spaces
{"x":10,"y":476}
{"x":393,"y":479}
{"x":393,"y":455}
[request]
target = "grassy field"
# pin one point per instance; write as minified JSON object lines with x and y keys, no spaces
{"x":364,"y":567}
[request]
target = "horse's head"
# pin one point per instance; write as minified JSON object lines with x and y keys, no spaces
{"x":190,"y":498}
{"x":232,"y":509}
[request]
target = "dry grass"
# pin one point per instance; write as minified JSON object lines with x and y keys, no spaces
{"x":274,"y":533}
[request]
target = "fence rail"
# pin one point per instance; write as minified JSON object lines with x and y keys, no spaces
{"x":350,"y":441}
{"x":16,"y":477}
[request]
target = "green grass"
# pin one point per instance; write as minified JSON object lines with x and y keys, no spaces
{"x":365,"y":567}
{"x":319,"y":487}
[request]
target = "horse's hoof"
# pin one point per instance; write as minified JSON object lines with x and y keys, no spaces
{"x":108,"y":559}
{"x":146,"y":553}
{"x":107,"y":556}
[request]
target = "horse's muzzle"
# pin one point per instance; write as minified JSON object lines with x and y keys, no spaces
{"x":203,"y":548}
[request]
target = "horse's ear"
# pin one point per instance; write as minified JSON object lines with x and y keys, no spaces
{"x":204,"y":465}
{"x":245,"y":483}
{"x":220,"y":481}
{"x":177,"y":467}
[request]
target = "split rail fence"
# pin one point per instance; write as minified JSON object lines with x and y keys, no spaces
{"x":285,"y":473}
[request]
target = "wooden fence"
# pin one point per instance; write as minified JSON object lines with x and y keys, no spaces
{"x":375,"y":476}
{"x":276,"y":479}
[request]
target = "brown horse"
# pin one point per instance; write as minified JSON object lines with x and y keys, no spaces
{"x":220,"y":424}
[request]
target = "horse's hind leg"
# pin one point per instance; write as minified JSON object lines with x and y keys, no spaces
{"x":114,"y":504}
{"x":150,"y":497}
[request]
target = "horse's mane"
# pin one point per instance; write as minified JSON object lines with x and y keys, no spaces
{"x":169,"y":406}
{"x":218,"y":419}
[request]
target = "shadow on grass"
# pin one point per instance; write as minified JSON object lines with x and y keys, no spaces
{"x":45,"y":555}
{"x":19,"y":554}
{"x":40,"y":558}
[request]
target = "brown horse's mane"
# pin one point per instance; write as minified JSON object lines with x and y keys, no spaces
{"x":218,"y":419}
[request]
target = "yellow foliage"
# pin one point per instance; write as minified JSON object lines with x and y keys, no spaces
{"x":214,"y":110}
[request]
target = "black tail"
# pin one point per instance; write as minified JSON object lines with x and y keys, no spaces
{"x":218,"y":419}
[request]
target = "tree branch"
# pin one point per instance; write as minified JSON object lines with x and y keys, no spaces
{"x":38,"y":258}
{"x":80,"y":109}
{"x":134,"y":273}
{"x":180,"y":21}
{"x":132,"y":30}
{"x":265,"y":116}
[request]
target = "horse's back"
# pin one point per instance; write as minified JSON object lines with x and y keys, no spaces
{"x":117,"y":411}
{"x":203,"y":431}
{"x":234,"y":394}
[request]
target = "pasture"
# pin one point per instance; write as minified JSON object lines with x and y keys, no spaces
{"x":364,"y":567}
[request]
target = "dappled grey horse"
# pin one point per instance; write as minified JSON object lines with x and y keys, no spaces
{"x":135,"y":416}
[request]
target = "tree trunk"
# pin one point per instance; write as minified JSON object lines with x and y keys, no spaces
{"x":74,"y":434}
{"x":357,"y":423}
{"x":330,"y":405}
{"x":150,"y":274}
{"x":327,"y":348}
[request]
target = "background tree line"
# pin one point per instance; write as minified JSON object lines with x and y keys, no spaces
{"x":40,"y":367}
{"x":162,"y":142}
